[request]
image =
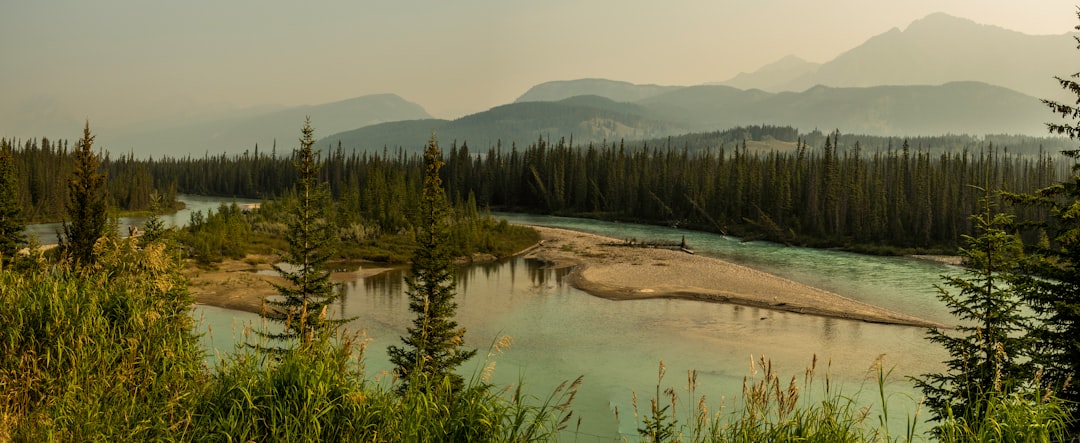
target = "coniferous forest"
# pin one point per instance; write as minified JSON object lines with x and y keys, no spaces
{"x":97,"y":341}
{"x":887,"y":196}
{"x":881,"y":196}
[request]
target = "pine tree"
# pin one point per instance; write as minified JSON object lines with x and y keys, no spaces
{"x":154,"y":225}
{"x":988,"y":352}
{"x":12,"y":237}
{"x":1053,"y":287}
{"x":309,"y":292}
{"x":433,"y":348}
{"x":86,"y":206}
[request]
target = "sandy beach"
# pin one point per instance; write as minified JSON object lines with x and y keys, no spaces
{"x":603,"y":268}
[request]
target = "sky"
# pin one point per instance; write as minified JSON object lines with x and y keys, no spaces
{"x":125,"y":62}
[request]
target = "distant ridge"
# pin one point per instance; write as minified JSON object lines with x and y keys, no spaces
{"x":951,"y":108}
{"x":619,"y":91}
{"x":939,"y":75}
{"x":774,"y":77}
{"x":266,"y":129}
{"x":936,"y":49}
{"x":583,"y":118}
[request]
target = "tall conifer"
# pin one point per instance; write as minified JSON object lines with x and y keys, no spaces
{"x":1053,"y":286}
{"x":433,"y":348}
{"x":86,"y":205}
{"x":987,"y":350}
{"x":308,"y":292}
{"x":11,"y":223}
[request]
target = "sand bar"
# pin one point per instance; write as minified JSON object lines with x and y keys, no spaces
{"x":601,"y":268}
{"x":243,"y":284}
{"x":605,"y":269}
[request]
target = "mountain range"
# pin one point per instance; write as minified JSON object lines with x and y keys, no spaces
{"x":265,"y":129}
{"x":941,"y":74}
{"x":934,"y":50}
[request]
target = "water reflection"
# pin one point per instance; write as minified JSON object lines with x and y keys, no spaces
{"x":560,"y":333}
{"x":48,"y":233}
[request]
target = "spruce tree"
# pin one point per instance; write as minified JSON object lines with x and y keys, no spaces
{"x":12,"y":237}
{"x":154,"y":226}
{"x":433,"y":347}
{"x":987,"y":349}
{"x":1052,"y":288}
{"x":86,"y":205}
{"x":308,"y":292}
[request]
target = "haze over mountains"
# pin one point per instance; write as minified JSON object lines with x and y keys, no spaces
{"x":934,"y":50}
{"x":939,"y":75}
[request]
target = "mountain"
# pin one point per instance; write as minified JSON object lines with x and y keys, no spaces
{"x":615,"y":90}
{"x":244,"y":131}
{"x":951,"y":108}
{"x":583,"y":118}
{"x":933,"y":50}
{"x":940,"y":74}
{"x":775,"y":76}
{"x":956,"y":107}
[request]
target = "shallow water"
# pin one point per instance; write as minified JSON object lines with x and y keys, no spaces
{"x":47,"y":233}
{"x":560,"y":332}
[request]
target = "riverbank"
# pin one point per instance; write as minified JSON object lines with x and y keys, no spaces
{"x":243,"y":284}
{"x":604,"y":268}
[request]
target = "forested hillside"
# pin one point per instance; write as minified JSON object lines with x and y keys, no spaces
{"x":883,"y":111}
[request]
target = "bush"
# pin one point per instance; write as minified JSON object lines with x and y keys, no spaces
{"x":107,"y":354}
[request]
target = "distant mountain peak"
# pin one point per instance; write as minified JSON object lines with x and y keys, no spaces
{"x":775,"y":75}
{"x":940,"y":22}
{"x":616,"y":90}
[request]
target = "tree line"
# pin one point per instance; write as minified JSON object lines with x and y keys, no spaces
{"x":873,"y":193}
{"x":41,"y":169}
{"x":833,"y":194}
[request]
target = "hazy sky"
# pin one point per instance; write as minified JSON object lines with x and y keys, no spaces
{"x":120,"y":62}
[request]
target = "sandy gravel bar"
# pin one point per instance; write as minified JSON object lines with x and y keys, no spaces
{"x":604,"y":269}
{"x":239,"y":284}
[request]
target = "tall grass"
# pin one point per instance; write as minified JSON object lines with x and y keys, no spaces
{"x":778,"y":410}
{"x":1023,"y":416}
{"x":108,"y":354}
{"x":321,"y":394}
{"x":105,"y":354}
{"x":771,"y":409}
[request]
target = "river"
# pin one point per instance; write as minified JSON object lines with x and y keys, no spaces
{"x":560,"y":332}
{"x":47,"y":233}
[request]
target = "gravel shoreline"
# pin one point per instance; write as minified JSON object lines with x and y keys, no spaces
{"x":602,"y":268}
{"x":605,"y":269}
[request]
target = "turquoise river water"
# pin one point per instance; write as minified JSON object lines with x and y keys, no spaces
{"x":560,"y":332}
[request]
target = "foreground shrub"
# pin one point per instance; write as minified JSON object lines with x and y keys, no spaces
{"x":320,"y":394}
{"x":106,"y":354}
{"x":770,"y":409}
{"x":1017,"y":416}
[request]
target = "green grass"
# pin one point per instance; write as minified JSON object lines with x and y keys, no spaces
{"x":108,"y":354}
{"x":770,"y":408}
{"x":776,"y":409}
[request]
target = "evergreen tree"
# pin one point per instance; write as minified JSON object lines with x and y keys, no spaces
{"x":1053,"y":287}
{"x":154,"y":225}
{"x":433,"y":348}
{"x":86,"y":206}
{"x":987,"y":349}
{"x":304,"y":300}
{"x":11,"y":223}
